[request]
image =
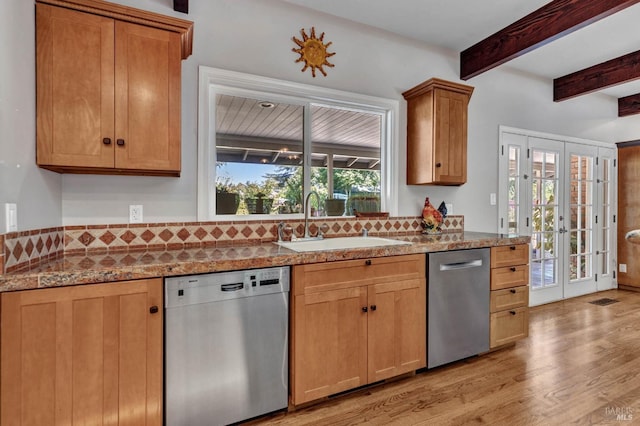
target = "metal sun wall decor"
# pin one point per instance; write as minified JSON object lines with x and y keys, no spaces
{"x":313,"y":52}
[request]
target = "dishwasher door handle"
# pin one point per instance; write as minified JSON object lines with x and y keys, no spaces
{"x":232,"y":287}
{"x":460,"y":265}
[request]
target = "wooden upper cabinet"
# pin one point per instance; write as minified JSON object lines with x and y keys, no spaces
{"x":88,"y":354}
{"x":437,"y":133}
{"x":108,"y":90}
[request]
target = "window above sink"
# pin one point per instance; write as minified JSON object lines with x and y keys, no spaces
{"x":271,"y":142}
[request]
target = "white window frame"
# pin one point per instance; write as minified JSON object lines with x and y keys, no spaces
{"x":213,"y":81}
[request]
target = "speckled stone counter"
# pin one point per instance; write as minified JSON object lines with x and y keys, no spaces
{"x":119,"y":266}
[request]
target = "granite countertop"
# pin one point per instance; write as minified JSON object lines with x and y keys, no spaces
{"x":119,"y":266}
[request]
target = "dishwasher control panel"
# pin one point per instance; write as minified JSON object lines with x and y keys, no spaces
{"x":218,"y":286}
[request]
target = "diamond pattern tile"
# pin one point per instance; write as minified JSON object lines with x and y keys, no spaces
{"x":128,"y":236}
{"x":200,"y":233}
{"x":107,"y":237}
{"x":24,"y":249}
{"x":147,"y":236}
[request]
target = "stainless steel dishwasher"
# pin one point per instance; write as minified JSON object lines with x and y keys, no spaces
{"x":226,"y":343}
{"x":458,"y":291}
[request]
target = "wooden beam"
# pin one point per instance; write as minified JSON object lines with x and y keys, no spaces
{"x":629,"y":105}
{"x":553,"y":20}
{"x":610,"y":73}
{"x":181,"y":6}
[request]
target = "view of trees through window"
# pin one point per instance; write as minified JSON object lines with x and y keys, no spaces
{"x":259,"y":158}
{"x":280,"y":190}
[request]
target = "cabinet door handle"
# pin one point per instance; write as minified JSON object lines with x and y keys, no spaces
{"x":374,"y":307}
{"x":438,"y":164}
{"x":512,"y":248}
{"x":513,"y":269}
{"x":153,"y":310}
{"x":106,"y":141}
{"x":365,"y":309}
{"x":367,"y":262}
{"x":512,"y":312}
{"x":513,"y":291}
{"x":120,"y":142}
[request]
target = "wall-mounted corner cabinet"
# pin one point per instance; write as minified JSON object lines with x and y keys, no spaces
{"x":108,"y":88}
{"x":437,"y":133}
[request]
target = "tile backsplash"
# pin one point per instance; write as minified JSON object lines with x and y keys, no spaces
{"x":23,"y":250}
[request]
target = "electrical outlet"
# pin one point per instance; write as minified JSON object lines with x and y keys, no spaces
{"x":449,"y":207}
{"x":135,"y":213}
{"x":623,"y":268}
{"x":11,"y":216}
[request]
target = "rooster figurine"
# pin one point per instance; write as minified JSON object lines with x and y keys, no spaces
{"x":431,"y":218}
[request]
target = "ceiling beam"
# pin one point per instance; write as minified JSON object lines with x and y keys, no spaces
{"x":181,"y":6}
{"x":606,"y":74}
{"x":629,"y":105}
{"x":552,"y":21}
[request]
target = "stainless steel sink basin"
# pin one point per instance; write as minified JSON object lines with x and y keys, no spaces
{"x":340,"y":243}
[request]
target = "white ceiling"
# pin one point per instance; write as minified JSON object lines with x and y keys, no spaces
{"x":459,"y":24}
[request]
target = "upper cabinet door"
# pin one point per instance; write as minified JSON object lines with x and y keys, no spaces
{"x":75,"y":99}
{"x":437,"y":133}
{"x":450,"y":147}
{"x":147,"y":88}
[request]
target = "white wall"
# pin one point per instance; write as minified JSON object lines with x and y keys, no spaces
{"x":254,"y":36}
{"x":36,"y":192}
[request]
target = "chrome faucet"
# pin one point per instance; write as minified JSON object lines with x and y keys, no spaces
{"x":306,"y":213}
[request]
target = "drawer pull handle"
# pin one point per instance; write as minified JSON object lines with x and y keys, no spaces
{"x":513,"y":269}
{"x":365,"y":309}
{"x":367,"y":262}
{"x":153,"y":310}
{"x":512,"y":312}
{"x":512,"y":248}
{"x":513,"y":291}
{"x":374,"y":307}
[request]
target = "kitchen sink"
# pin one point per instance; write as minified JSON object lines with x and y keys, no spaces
{"x":340,"y":243}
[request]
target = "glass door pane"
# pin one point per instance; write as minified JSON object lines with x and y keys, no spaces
{"x":544,"y":241}
{"x":580,"y":228}
{"x":605,"y":225}
{"x":547,"y":246}
{"x":514,"y":193}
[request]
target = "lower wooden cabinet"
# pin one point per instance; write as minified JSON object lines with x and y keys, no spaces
{"x":509,"y":326}
{"x":509,"y":318}
{"x":356,"y":322}
{"x":88,"y":354}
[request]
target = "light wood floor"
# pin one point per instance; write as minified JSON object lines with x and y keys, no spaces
{"x":580,"y":365}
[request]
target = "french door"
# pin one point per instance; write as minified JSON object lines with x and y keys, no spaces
{"x":561,"y":194}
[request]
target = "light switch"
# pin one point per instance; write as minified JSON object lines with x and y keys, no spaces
{"x":623,"y":268}
{"x":492,"y":198}
{"x":11,"y":216}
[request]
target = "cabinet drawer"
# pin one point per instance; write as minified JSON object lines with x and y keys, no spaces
{"x":510,"y":276}
{"x":509,"y":326}
{"x":509,"y":298}
{"x":517,"y":254}
{"x":349,"y":273}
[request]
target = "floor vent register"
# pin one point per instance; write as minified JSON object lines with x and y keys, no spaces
{"x":604,"y":301}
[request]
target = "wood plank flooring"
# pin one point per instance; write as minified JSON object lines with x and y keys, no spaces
{"x":580,"y":365}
